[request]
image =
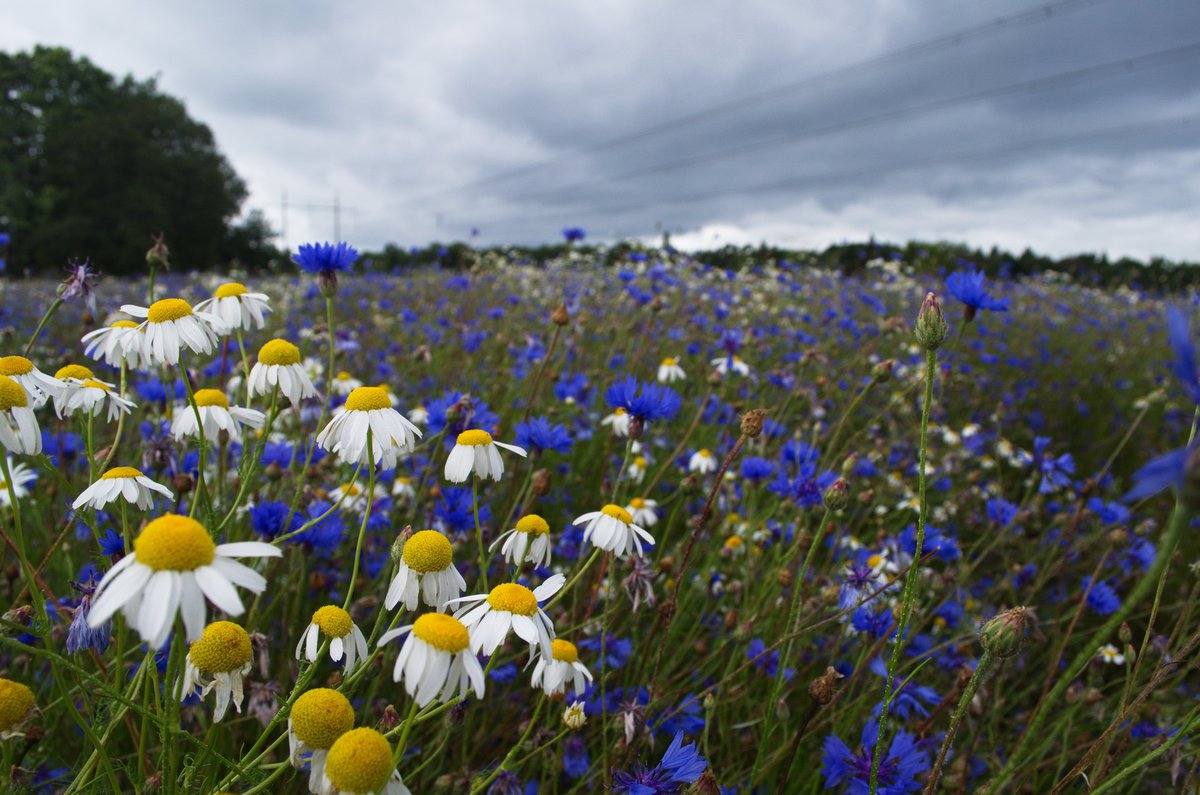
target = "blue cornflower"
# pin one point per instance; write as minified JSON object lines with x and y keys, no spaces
{"x":967,"y":286}
{"x":768,"y":664}
{"x":898,"y":772}
{"x":539,"y":434}
{"x":325,"y":260}
{"x":1101,"y":597}
{"x":755,"y":468}
{"x":576,"y":761}
{"x":642,"y":401}
{"x":112,"y":543}
{"x":907,"y":698}
{"x":1056,"y":470}
{"x":267,"y":518}
{"x":573,"y":234}
{"x":1001,"y":512}
{"x":324,"y":536}
{"x":455,"y":513}
{"x":681,"y":764}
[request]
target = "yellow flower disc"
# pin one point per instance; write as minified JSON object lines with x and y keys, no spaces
{"x":427,"y":551}
{"x":320,"y":716}
{"x":223,"y":647}
{"x":360,"y":761}
{"x":74,"y":371}
{"x":12,"y":395}
{"x":441,"y":632}
{"x":368,"y":398}
{"x":169,"y":309}
{"x":211,"y":397}
{"x":121,"y":472}
{"x":16,"y":701}
{"x":513,"y":598}
{"x":175,"y":543}
{"x":534,"y":524}
{"x":15,"y":365}
{"x":617,"y":512}
{"x":564,"y":650}
{"x":333,"y":621}
{"x":230,"y":290}
{"x":474,"y":438}
{"x":278,"y":352}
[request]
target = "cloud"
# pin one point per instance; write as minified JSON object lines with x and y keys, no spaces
{"x":394,"y":109}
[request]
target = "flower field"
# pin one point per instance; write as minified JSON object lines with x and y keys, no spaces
{"x":651,"y":528}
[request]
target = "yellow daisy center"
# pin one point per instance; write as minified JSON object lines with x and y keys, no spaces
{"x":121,"y":472}
{"x":92,"y":383}
{"x":875,"y":560}
{"x":360,"y":761}
{"x":15,"y":365}
{"x":564,"y":650}
{"x":637,"y":503}
{"x":12,"y":396}
{"x":513,"y":598}
{"x":223,"y":647}
{"x":639,"y":461}
{"x":345,"y":376}
{"x":617,"y":512}
{"x":278,"y":352}
{"x":474,"y":438}
{"x":669,"y":361}
{"x":533,"y":524}
{"x":733,"y":542}
{"x":74,"y":371}
{"x":333,"y":621}
{"x":168,"y":309}
{"x":442,"y":632}
{"x":124,"y":324}
{"x":705,"y":453}
{"x":620,"y":412}
{"x":175,"y":543}
{"x":368,"y":398}
{"x":427,"y":551}
{"x":211,"y":397}
{"x":230,"y":290}
{"x":320,"y":716}
{"x":16,"y":700}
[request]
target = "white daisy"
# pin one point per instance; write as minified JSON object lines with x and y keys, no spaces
{"x":574,"y":716}
{"x":125,"y":482}
{"x":318,"y":717}
{"x":171,"y":325}
{"x":643,"y":511}
{"x":426,"y":568}
{"x":369,"y":407}
{"x":219,"y":660}
{"x":637,"y":469}
{"x":1111,"y":655}
{"x":403,"y":487}
{"x":702,"y":462}
{"x":22,"y":476}
{"x":279,"y":366}
{"x":173,"y":567}
{"x":352,"y":497}
{"x":436,"y":659}
{"x":360,"y":763}
{"x":419,"y":415}
{"x":344,"y":383}
{"x":345,"y":638}
{"x":529,"y":540}
{"x":39,"y":386}
{"x":553,"y":673}
{"x":91,"y":396}
{"x":612,"y":529}
{"x":19,"y":431}
{"x":726,"y":364}
{"x":619,"y":422}
{"x":475,"y":451}
{"x":237,"y":307}
{"x":670,"y":371}
{"x":509,"y":606}
{"x":216,"y":415}
{"x":115,"y":344}
{"x":68,"y":378}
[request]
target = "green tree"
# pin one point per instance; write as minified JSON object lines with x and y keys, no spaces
{"x":92,"y":167}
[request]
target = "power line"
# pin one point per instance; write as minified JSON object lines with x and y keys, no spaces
{"x":1034,"y":15}
{"x":1107,"y":69}
{"x":867,"y":171}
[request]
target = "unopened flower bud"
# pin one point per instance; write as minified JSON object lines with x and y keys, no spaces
{"x":1003,"y":634}
{"x":782,"y":712}
{"x":752,"y":423}
{"x":559,"y":316}
{"x":390,"y":719}
{"x":837,"y":495}
{"x":849,"y":464}
{"x":397,"y":551}
{"x":822,"y":689}
{"x":158,"y":256}
{"x":574,"y":717}
{"x":541,"y":482}
{"x":182,"y":483}
{"x":705,"y":785}
{"x":1125,"y":633}
{"x":882,"y":372}
{"x":931,"y":328}
{"x":637,"y":428}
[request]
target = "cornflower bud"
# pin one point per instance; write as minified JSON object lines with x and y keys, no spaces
{"x":559,"y":316}
{"x":882,"y":372}
{"x":931,"y":328}
{"x":822,"y":689}
{"x":837,"y":495}
{"x":1003,"y":634}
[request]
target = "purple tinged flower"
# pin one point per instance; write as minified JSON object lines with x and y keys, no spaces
{"x":80,"y":636}
{"x":681,"y":764}
{"x":898,"y":772}
{"x":967,"y":286}
{"x":80,"y":284}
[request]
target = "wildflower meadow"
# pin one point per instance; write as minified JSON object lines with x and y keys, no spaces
{"x":642,"y":525}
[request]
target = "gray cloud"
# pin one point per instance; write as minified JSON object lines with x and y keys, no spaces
{"x":392,"y":107}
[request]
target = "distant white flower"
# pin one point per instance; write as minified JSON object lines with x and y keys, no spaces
{"x":702,"y":462}
{"x":237,"y":307}
{"x":553,"y":673}
{"x":529,"y":540}
{"x":436,"y":659}
{"x":216,"y":415}
{"x":345,"y":638}
{"x":619,"y":422}
{"x":171,"y":325}
{"x":279,"y":367}
{"x":125,"y":482}
{"x":727,"y":364}
{"x":115,"y":345}
{"x":22,"y":476}
{"x":219,"y":660}
{"x":425,"y":569}
{"x":612,"y":529}
{"x":670,"y":371}
{"x":509,"y":607}
{"x":369,"y":408}
{"x":476,"y":452}
{"x":19,"y":431}
{"x":1111,"y":655}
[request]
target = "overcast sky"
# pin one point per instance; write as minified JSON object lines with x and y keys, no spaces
{"x":798,"y":123}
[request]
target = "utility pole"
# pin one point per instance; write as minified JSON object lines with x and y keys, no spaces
{"x":335,"y":209}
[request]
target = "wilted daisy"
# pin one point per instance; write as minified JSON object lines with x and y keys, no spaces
{"x":670,"y":371}
{"x":619,"y":422}
{"x":343,"y":384}
{"x":509,"y":606}
{"x":279,"y":366}
{"x":345,"y":638}
{"x":22,"y":476}
{"x":317,"y":719}
{"x":19,"y":431}
{"x":219,"y":660}
{"x":369,"y":407}
{"x":173,"y":567}
{"x":216,"y":415}
{"x":115,"y":344}
{"x":702,"y":462}
{"x":360,"y":763}
{"x":436,"y":659}
{"x":237,"y":307}
{"x":643,"y":511}
{"x":171,"y":325}
{"x":16,"y":706}
{"x":612,"y":529}
{"x":90,"y":397}
{"x":728,"y":364}
{"x":532,"y":536}
{"x":425,"y":568}
{"x":125,"y":482}
{"x":39,"y":386}
{"x":553,"y":673}
{"x":475,"y":451}
{"x":574,"y":717}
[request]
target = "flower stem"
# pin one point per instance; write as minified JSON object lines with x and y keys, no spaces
{"x":981,"y":672}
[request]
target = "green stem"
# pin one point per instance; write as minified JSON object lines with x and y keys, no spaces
{"x":981,"y":672}
{"x":362,"y":529}
{"x":41,"y":325}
